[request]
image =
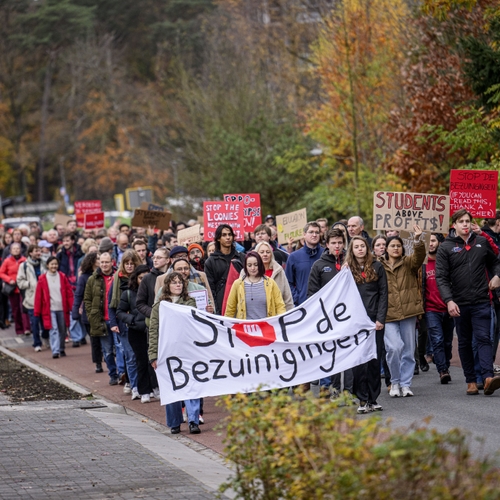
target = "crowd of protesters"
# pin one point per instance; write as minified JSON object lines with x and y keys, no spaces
{"x":66,"y":287}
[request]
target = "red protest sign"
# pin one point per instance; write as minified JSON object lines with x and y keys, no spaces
{"x":474,"y":190}
{"x":93,"y":221}
{"x":83,"y":207}
{"x":251,"y":208}
{"x":216,"y":213}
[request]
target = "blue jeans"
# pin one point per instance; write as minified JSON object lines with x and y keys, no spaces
{"x":57,"y":333}
{"x":36,"y":328}
{"x":440,"y":329}
{"x":174,"y":412}
{"x":123,"y":345}
{"x":400,"y":343}
{"x":474,"y":323}
{"x":76,"y":331}
{"x":107,"y":345}
{"x":120,"y":360}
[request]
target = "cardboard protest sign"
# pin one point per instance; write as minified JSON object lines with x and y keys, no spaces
{"x":189,"y":235}
{"x":62,"y":219}
{"x":251,"y":208}
{"x":474,"y":190}
{"x":291,"y":225}
{"x":401,"y":211}
{"x":145,"y":205}
{"x":216,"y":213}
{"x":153,"y":218}
{"x":83,"y":207}
{"x":201,"y":354}
{"x":93,"y":221}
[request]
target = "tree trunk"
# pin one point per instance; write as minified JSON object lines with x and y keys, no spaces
{"x":40,"y":171}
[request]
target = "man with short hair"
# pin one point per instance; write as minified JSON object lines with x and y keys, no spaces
{"x":356,"y":227}
{"x":139,"y":245}
{"x":218,"y":264}
{"x":96,"y":306}
{"x":121,"y":245}
{"x":439,"y":322}
{"x":323,"y":225}
{"x":124,"y":228}
{"x":269,"y":220}
{"x":461,"y":266}
{"x":300,"y":262}
{"x":71,"y":226}
{"x":60,"y":231}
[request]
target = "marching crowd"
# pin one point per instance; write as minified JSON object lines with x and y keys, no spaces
{"x":66,"y":287}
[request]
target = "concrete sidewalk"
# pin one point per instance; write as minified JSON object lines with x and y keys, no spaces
{"x":98,"y":449}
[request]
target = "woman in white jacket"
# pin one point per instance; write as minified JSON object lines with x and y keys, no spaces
{"x":275,"y":271}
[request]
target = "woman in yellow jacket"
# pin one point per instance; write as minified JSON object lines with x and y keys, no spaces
{"x":254,"y":296}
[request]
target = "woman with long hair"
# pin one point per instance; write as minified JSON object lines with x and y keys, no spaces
{"x":378,"y":246}
{"x":175,"y":290}
{"x":128,"y":314}
{"x":371,"y":280}
{"x":254,"y":295}
{"x":405,"y":304}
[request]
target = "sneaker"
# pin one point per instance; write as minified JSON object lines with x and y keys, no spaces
{"x":175,"y":430}
{"x":395,"y":392}
{"x":364,"y":407}
{"x":121,"y":378}
{"x":201,"y":419}
{"x":98,"y":368}
{"x":496,"y":368}
{"x":76,"y":344}
{"x":184,"y":415}
{"x":55,"y":356}
{"x":46,"y":343}
{"x":127,"y":389}
{"x":66,"y":340}
{"x":376,"y":407}
{"x":406,"y":391}
{"x":334,"y":394}
{"x":444,"y":377}
{"x":62,"y":354}
{"x":135,"y":394}
{"x":146,"y":399}
{"x":194,"y":428}
{"x":27,"y":332}
{"x":38,"y":348}
{"x":113,"y":381}
{"x":156,"y":393}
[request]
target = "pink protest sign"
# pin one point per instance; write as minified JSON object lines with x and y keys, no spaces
{"x":251,"y":208}
{"x":216,"y":213}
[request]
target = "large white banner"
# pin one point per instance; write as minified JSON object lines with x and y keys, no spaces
{"x":201,"y":354}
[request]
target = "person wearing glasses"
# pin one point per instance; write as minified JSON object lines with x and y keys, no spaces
{"x":300,"y":262}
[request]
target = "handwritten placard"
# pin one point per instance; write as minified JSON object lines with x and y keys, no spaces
{"x":93,"y":220}
{"x":83,"y":207}
{"x":154,"y":218}
{"x":219,"y":212}
{"x":474,"y":190}
{"x":189,"y":235}
{"x":291,"y":225}
{"x":401,"y":211}
{"x":251,"y":208}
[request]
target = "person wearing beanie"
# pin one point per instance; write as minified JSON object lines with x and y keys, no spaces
{"x":196,"y":256}
{"x":106,"y":245}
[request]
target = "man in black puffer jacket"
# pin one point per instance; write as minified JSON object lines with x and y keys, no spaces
{"x":462,"y":262}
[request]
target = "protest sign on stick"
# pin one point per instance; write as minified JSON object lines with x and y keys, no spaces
{"x":401,"y":211}
{"x":93,"y":221}
{"x":291,"y":225}
{"x":474,"y":190}
{"x":83,"y":207}
{"x":153,"y":218}
{"x":251,"y":208}
{"x":201,"y":354}
{"x":146,"y":205}
{"x":216,"y":213}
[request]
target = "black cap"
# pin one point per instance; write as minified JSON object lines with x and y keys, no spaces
{"x":269,"y":217}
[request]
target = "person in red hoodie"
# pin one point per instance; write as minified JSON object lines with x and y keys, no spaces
{"x":53,"y":304}
{"x":8,"y":273}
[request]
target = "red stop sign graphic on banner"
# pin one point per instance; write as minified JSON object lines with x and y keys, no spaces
{"x":255,"y":334}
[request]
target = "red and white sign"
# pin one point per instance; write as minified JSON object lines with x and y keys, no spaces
{"x":83,"y":207}
{"x":216,"y":213}
{"x":93,"y":221}
{"x":251,"y":208}
{"x":255,"y":334}
{"x":474,"y":190}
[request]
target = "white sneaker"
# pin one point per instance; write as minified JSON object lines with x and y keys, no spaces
{"x":155,"y":393}
{"x":364,"y":407}
{"x":135,"y":394}
{"x":127,"y":389}
{"x":145,"y":398}
{"x":184,"y":415}
{"x":376,"y":407}
{"x":38,"y":348}
{"x":201,"y":419}
{"x":406,"y":392}
{"x":395,"y":392}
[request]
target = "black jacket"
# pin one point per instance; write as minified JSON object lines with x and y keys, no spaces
{"x":461,"y":272}
{"x":146,"y":292}
{"x":324,"y":270}
{"x":216,"y":269}
{"x":375,"y":294}
{"x":128,"y":313}
{"x":64,"y":262}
